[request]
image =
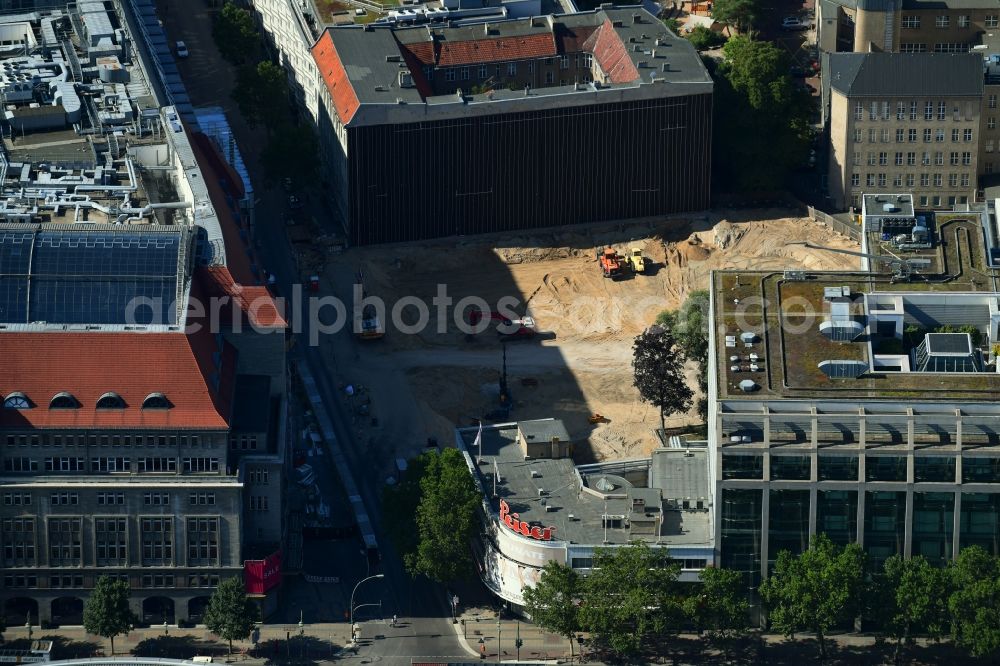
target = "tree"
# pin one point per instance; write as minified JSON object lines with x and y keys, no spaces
{"x":721,"y":608}
{"x":816,"y":590}
{"x":689,"y":326}
{"x":446,"y":518}
{"x":704,"y":38}
{"x":974,"y":604}
{"x":912,"y":596}
{"x":399,"y":507}
{"x":235,"y":34}
{"x":758,"y":111}
{"x":552,"y":602}
{"x":658,"y":365}
{"x":739,"y":13}
{"x":107,"y":613}
{"x":292,"y":152}
{"x":630,"y":597}
{"x":261,"y":93}
{"x":231,"y":614}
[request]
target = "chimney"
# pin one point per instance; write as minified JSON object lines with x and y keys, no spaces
{"x":486,"y":27}
{"x":636,"y":19}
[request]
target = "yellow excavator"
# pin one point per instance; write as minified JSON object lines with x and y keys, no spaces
{"x":636,"y":261}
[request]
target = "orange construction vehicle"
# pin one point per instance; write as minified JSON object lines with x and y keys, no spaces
{"x":611,"y":262}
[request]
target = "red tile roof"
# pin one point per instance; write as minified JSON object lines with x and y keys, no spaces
{"x":133,"y":365}
{"x":335,"y":77}
{"x":477,"y":51}
{"x":255,"y":303}
{"x":611,"y":54}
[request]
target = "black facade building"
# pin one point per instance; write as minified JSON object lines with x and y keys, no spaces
{"x":521,"y":124}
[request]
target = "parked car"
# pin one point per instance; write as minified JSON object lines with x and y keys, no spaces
{"x":793,"y":23}
{"x":182,"y":50}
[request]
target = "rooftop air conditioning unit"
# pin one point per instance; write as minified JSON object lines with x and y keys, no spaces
{"x":541,"y":492}
{"x":549,"y":508}
{"x":535,"y":474}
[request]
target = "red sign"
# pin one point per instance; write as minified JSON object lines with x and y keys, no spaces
{"x":512,"y":521}
{"x":259,"y":576}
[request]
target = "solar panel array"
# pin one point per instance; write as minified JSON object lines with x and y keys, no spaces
{"x":82,"y":277}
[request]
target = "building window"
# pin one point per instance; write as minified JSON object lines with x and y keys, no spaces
{"x":512,"y":69}
{"x":449,"y":74}
{"x":870,"y":180}
{"x":856,"y":179}
{"x":939,"y":135}
{"x":929,"y":111}
{"x":156,"y":499}
{"x":157,"y":541}
{"x":910,"y":179}
{"x":203,"y":581}
{"x":965,"y":180}
{"x":258,"y":503}
{"x":911,"y":21}
{"x":900,"y":135}
{"x":911,"y":159}
{"x":859,"y":136}
{"x":885,"y":136}
{"x":885,"y":110}
{"x":157,"y":580}
{"x":201,"y":465}
{"x":20,"y":464}
{"x":111,"y":539}
{"x":564,"y":62}
{"x":871,"y":159}
{"x":951,"y":47}
{"x":955,"y":134}
{"x":897,"y":180}
{"x":938,"y":180}
{"x":913,"y":110}
{"x":64,"y":464}
{"x":925,"y":180}
{"x":925,"y":159}
{"x":942,"y":21}
{"x":20,"y":581}
{"x":19,"y":542}
{"x":243,"y":443}
{"x":63,"y":401}
{"x":967,"y":135}
{"x":942,"y":110}
{"x":465,"y":73}
{"x":202,"y":499}
{"x":953,"y":159}
{"x":64,"y":499}
{"x":203,"y":541}
{"x":900,"y":111}
{"x":110,"y":464}
{"x":923,"y":201}
{"x":928,"y":135}
{"x":873,"y":136}
{"x":65,"y":542}
{"x":429,"y":73}
{"x":110,"y":400}
{"x":483,"y":72}
{"x":988,"y":145}
{"x":912,"y":135}
{"x":258,"y":476}
{"x":17,"y":499}
{"x":111,"y":499}
{"x":991,"y":122}
{"x":966,"y":159}
{"x":952,"y":180}
{"x":859,"y":111}
{"x":963,"y":21}
{"x":883,"y":159}
{"x":881,"y":180}
{"x":873,"y":111}
{"x":151,"y":465}
{"x":988,"y":168}
{"x":936,"y":201}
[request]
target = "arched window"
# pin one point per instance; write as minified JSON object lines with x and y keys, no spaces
{"x":110,"y":400}
{"x":156,"y":401}
{"x":16,"y":400}
{"x":63,"y":400}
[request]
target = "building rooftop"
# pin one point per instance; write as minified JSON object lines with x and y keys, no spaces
{"x":573,"y":501}
{"x":854,"y":335}
{"x":384,"y":74}
{"x":887,"y":75}
{"x":150,"y":380}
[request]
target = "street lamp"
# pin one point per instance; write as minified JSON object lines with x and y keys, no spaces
{"x":27,"y":624}
{"x":164,"y":627}
{"x":363,"y":580}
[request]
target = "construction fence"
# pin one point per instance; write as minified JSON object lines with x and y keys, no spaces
{"x":848,"y":229}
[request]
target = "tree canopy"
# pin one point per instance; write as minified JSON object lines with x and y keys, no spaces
{"x":658,"y":367}
{"x":631,"y":597}
{"x":816,"y":590}
{"x":231,"y":614}
{"x":689,"y":326}
{"x":106,"y":612}
{"x":553,"y":602}
{"x":974,"y":603}
{"x":740,"y":14}
{"x":762,"y":119}
{"x":446,"y":518}
{"x":912,"y":597}
{"x":261,"y":93}
{"x":292,"y":151}
{"x":721,"y":606}
{"x":235,"y":34}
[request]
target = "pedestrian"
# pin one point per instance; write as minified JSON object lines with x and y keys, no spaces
{"x":394,"y":620}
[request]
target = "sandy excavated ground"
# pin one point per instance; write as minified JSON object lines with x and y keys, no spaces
{"x":582,"y":361}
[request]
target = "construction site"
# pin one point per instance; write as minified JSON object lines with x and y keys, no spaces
{"x":568,"y":351}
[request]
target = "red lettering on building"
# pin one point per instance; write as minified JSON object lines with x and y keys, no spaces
{"x":515,"y":524}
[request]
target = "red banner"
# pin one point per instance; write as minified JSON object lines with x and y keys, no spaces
{"x":260,"y":576}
